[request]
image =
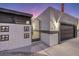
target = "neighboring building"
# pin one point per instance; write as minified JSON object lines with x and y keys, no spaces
{"x":15,"y":29}
{"x":56,"y":27}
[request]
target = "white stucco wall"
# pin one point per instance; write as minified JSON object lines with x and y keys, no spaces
{"x":16,"y":37}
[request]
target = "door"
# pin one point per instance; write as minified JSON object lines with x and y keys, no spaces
{"x":67,"y":31}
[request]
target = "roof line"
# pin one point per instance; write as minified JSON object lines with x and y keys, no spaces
{"x":15,"y":12}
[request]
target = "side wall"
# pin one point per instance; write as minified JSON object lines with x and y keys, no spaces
{"x":45,"y":26}
{"x":16,"y":37}
{"x":54,"y":27}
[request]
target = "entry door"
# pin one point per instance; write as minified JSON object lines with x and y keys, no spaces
{"x":67,"y":31}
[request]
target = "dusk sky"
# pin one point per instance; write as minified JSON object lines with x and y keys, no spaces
{"x":37,"y":8}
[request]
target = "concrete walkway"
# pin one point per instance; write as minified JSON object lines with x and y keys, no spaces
{"x":67,"y":48}
{"x":26,"y":51}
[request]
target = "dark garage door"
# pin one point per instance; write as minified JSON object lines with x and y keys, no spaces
{"x":67,"y":31}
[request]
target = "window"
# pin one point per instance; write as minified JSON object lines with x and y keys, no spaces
{"x":26,"y":35}
{"x":4,"y":28}
{"x":26,"y":28}
{"x":4,"y":37}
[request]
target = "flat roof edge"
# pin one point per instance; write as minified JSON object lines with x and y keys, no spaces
{"x":15,"y":12}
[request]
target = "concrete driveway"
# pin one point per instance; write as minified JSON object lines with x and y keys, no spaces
{"x":67,"y":48}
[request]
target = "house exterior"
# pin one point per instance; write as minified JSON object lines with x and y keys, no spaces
{"x":56,"y":27}
{"x":51,"y":27}
{"x":15,"y":29}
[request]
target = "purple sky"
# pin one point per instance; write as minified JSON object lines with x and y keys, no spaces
{"x":37,"y":8}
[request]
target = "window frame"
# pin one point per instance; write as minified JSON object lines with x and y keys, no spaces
{"x":4,"y":30}
{"x":4,"y":38}
{"x":26,"y":35}
{"x":26,"y":28}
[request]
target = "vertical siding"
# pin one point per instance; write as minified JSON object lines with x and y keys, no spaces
{"x":6,"y":18}
{"x":11,"y":18}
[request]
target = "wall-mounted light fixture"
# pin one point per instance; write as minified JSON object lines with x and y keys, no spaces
{"x":56,"y":23}
{"x":56,"y":26}
{"x":27,"y":22}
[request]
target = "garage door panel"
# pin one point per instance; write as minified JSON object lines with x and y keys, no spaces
{"x":67,"y":35}
{"x":67,"y":31}
{"x":66,"y":27}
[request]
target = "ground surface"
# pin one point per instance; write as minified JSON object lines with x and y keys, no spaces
{"x":67,"y":48}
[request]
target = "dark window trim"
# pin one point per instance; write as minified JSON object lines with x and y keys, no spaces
{"x":26,"y":28}
{"x":4,"y":38}
{"x":26,"y":35}
{"x":4,"y":30}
